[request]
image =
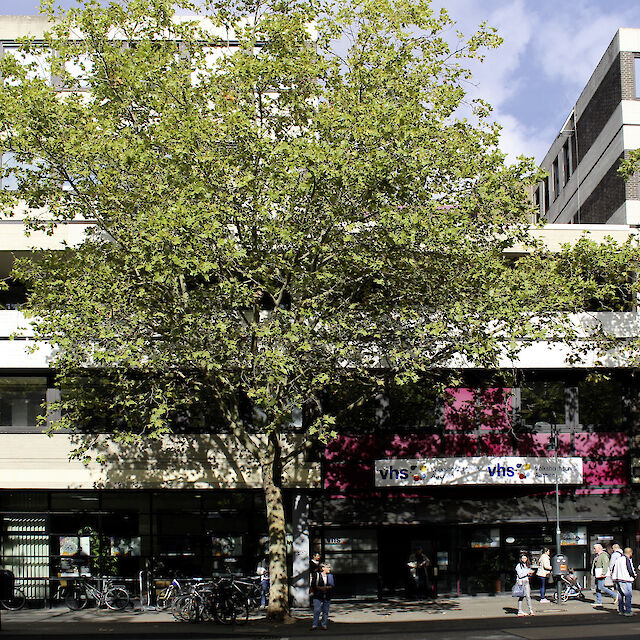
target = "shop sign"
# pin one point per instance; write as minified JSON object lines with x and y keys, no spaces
{"x":477,"y":470}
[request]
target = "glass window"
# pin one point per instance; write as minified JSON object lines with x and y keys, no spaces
{"x":412,"y":406}
{"x":636,"y":64}
{"x":37,"y":62}
{"x":542,"y":401}
{"x":567,"y":162}
{"x":600,"y":403}
{"x":555,"y":174}
{"x":21,"y":400}
{"x":356,"y":407}
{"x":79,"y":69}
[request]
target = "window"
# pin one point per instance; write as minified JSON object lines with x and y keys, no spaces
{"x":537,"y":200}
{"x":600,"y":403}
{"x":9,"y":178}
{"x":542,"y":401}
{"x":546,"y":195}
{"x":36,"y":62}
{"x":636,"y":69}
{"x":567,"y":162}
{"x":21,"y":400}
{"x":79,"y":69}
{"x":556,"y":179}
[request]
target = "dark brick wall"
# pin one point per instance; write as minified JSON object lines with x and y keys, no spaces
{"x":605,"y":199}
{"x":602,"y":104}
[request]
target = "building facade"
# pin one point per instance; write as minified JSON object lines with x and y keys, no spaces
{"x":192,"y":505}
{"x":583,"y":186}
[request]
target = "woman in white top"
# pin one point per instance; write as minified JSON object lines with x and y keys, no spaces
{"x":544,"y":569}
{"x":523,"y":570}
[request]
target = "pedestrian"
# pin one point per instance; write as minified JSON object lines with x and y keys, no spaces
{"x":265,"y":583}
{"x":419,"y":565}
{"x":315,"y":563}
{"x":544,"y":569}
{"x":599,"y":570}
{"x":322,"y":584}
{"x":523,"y":571}
{"x":623,"y":574}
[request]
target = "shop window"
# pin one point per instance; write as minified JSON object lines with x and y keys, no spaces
{"x":542,"y":402}
{"x":353,"y":555}
{"x":600,"y":404}
{"x":21,"y":403}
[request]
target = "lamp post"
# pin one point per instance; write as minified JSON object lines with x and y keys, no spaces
{"x":554,"y":435}
{"x":553,"y":427}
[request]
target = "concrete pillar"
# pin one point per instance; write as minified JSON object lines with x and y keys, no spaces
{"x":300,"y":531}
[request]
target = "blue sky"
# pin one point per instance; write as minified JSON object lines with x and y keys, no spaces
{"x":550,"y":49}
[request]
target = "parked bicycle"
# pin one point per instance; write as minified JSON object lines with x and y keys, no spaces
{"x":16,"y":602}
{"x":217,"y":600}
{"x":167,"y":596}
{"x":81,"y":592}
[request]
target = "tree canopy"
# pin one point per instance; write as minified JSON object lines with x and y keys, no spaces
{"x":279,"y":198}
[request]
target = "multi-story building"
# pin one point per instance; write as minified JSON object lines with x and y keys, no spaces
{"x":192,"y":503}
{"x":583,"y":185}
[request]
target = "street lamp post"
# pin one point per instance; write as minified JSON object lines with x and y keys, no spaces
{"x":558,"y":533}
{"x":553,"y":427}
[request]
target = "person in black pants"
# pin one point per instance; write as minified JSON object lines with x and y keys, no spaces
{"x":322,"y":584}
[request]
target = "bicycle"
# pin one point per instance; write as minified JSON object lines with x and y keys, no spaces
{"x":221,"y":601}
{"x":166,"y":597}
{"x":16,"y":602}
{"x":79,"y":594}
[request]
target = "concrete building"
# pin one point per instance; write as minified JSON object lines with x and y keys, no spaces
{"x":583,"y":186}
{"x":192,"y":502}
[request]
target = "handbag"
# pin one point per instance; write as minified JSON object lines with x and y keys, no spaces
{"x":518,"y":591}
{"x":608,"y":581}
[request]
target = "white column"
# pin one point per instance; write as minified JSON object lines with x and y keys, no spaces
{"x":300,"y":530}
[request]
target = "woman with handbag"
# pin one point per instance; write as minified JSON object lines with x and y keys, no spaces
{"x":544,"y":569}
{"x":522,"y":588}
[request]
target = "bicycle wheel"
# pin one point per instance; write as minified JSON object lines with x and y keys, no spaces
{"x":76,"y":598}
{"x":16,"y":602}
{"x":165,"y":598}
{"x":116,"y":598}
{"x":224,"y":609}
{"x":180,"y":608}
{"x":241,"y":609}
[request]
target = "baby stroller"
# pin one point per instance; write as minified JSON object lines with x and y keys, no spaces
{"x":571,"y":588}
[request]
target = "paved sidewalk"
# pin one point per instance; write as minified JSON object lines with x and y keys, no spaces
{"x":353,"y":618}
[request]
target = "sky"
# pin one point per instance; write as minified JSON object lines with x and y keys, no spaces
{"x":533,"y":80}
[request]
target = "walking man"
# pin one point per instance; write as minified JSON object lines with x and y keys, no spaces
{"x":623,"y":575}
{"x":322,"y":584}
{"x":599,"y":570}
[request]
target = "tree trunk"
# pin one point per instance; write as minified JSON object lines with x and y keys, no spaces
{"x":278,"y":609}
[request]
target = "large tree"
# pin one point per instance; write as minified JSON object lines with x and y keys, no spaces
{"x":281,"y":200}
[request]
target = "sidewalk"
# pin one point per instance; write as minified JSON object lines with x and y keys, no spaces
{"x":352,"y":618}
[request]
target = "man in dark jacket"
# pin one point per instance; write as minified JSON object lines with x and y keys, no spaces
{"x":322,"y":584}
